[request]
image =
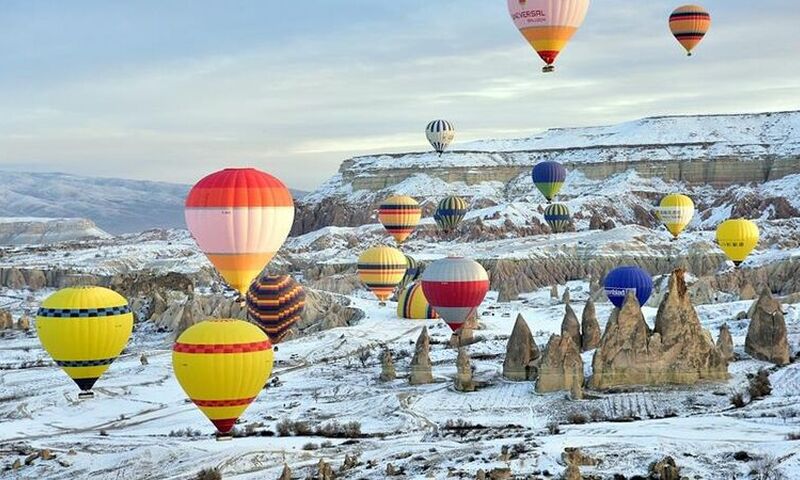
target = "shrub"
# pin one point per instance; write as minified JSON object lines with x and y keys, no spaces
{"x":185,"y":432}
{"x":577,"y":418}
{"x":284,"y":427}
{"x":310,"y":446}
{"x":553,"y":427}
{"x":759,"y":385}
{"x":766,"y":469}
{"x":301,"y":428}
{"x":209,"y":474}
{"x":793,"y":436}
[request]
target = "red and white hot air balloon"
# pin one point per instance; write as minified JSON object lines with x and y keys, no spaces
{"x":455,"y":287}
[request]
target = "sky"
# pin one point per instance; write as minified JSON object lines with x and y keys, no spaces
{"x":172,"y":90}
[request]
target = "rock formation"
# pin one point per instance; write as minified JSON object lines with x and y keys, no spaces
{"x":387,"y":367}
{"x":570,"y":327}
{"x":421,"y":362}
{"x":678,"y":351}
{"x":286,"y":473}
{"x":565,"y":297}
{"x":554,"y":292}
{"x":24,"y":323}
{"x":6,"y":321}
{"x":522,"y":353}
{"x":561,"y":365}
{"x":324,"y":471}
{"x":573,"y":472}
{"x":665,"y":469}
{"x":747,"y":292}
{"x":767,"y":336}
{"x":463,"y":381}
{"x":725,"y":343}
{"x":590,"y":329}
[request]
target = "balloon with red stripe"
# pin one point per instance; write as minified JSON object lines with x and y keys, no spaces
{"x":222,"y":365}
{"x":455,"y":287}
{"x":239,"y":217}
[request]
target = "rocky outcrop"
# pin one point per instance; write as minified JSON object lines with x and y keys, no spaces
{"x":463,"y":381}
{"x":421,"y":372}
{"x":554,"y":292}
{"x":388,"y":372}
{"x":39,"y":231}
{"x":565,"y":297}
{"x":561,"y":366}
{"x":573,"y":472}
{"x":678,"y":351}
{"x":24,"y":323}
{"x":286,"y":473}
{"x":570,"y":328}
{"x":767,"y":336}
{"x":747,"y":292}
{"x":665,"y":469}
{"x":725,"y":343}
{"x":590,"y":329}
{"x":522,"y":353}
{"x":6,"y":321}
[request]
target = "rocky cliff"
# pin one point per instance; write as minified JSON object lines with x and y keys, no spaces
{"x":38,"y":231}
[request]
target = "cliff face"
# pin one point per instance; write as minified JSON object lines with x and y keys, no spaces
{"x":37,"y":231}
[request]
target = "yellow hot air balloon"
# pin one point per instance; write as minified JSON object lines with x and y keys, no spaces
{"x":676,"y":212}
{"x":381,"y":269}
{"x":737,"y":238}
{"x":548,"y":25}
{"x":84,"y":329}
{"x":399,"y":215}
{"x":222,"y":365}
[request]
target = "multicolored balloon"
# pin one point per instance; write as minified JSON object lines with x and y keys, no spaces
{"x":549,"y":177}
{"x":558,"y":217}
{"x":450,"y":212}
{"x":548,"y":25}
{"x":239,"y":217}
{"x":222,"y":365}
{"x":440,"y":134}
{"x":400,"y":215}
{"x":737,"y":238}
{"x":413,"y":271}
{"x":413,"y":305}
{"x":275,"y":303}
{"x":84,"y":329}
{"x":455,"y":288}
{"x":689,"y":24}
{"x":381,"y":269}
{"x":676,"y":212}
{"x":622,"y":280}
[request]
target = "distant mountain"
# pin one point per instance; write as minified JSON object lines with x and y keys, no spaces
{"x":39,"y":231}
{"x":115,"y":205}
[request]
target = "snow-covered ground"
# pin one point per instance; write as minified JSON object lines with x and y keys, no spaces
{"x":135,"y":427}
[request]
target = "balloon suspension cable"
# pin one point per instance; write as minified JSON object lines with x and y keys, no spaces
{"x":85,"y":395}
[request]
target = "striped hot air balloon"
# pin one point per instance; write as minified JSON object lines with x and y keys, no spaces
{"x":676,"y":212}
{"x":558,"y":217}
{"x":737,"y":238}
{"x":549,"y":177}
{"x":441,"y":134}
{"x":413,"y":271}
{"x":689,"y":24}
{"x":239,"y":217}
{"x":455,"y":288}
{"x":381,"y":269}
{"x":450,"y":212}
{"x":622,"y":280}
{"x":413,"y":305}
{"x":275,"y":303}
{"x":222,"y":365}
{"x":84,"y":329}
{"x":399,"y":215}
{"x":548,"y":25}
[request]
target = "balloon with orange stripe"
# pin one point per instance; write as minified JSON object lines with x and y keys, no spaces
{"x":222,"y":365}
{"x":381,"y":269}
{"x":548,"y":25}
{"x":399,"y":215}
{"x":239,"y":217}
{"x":689,"y":24}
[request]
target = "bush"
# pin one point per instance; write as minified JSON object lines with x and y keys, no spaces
{"x":310,"y":446}
{"x":793,"y":436}
{"x":301,"y":428}
{"x":284,"y":427}
{"x":577,"y":418}
{"x":209,"y":474}
{"x":737,"y":400}
{"x":553,"y":427}
{"x":759,"y":385}
{"x":186,"y":432}
{"x":766,"y":469}
{"x":326,"y":444}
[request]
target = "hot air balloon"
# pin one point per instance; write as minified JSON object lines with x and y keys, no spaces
{"x":399,"y":215}
{"x":413,"y":271}
{"x":689,"y":24}
{"x":84,"y":329}
{"x":441,"y":134}
{"x":557,"y":216}
{"x":737,"y":238}
{"x":413,"y":305}
{"x":622,"y":280}
{"x":455,"y":287}
{"x":548,"y":25}
{"x":676,"y":212}
{"x":275,"y":303}
{"x":239,"y":217}
{"x":222,"y":365}
{"x":450,"y":212}
{"x":381,"y":269}
{"x":549,"y":177}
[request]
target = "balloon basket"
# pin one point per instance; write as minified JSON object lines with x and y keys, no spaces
{"x":224,"y":437}
{"x":86,"y":395}
{"x":548,"y":69}
{"x":382,"y":304}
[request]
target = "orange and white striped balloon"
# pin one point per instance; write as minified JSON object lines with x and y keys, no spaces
{"x":239,"y":217}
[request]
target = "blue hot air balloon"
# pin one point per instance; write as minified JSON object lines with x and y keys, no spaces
{"x":549,"y":177}
{"x":621,"y":280}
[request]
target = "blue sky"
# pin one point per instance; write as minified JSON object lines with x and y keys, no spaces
{"x":171,"y":90}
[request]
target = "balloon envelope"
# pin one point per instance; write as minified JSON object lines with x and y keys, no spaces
{"x":275,"y":303}
{"x":622,"y":280}
{"x":676,"y":212}
{"x":455,"y":288}
{"x":689,"y":24}
{"x":558,"y":217}
{"x":413,"y":305}
{"x":450,"y":212}
{"x":381,"y":269}
{"x":549,"y":177}
{"x":84,"y":329}
{"x":239,"y":217}
{"x":399,"y":215}
{"x":440,"y":134}
{"x":737,"y":238}
{"x":222,"y":365}
{"x":413,"y":272}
